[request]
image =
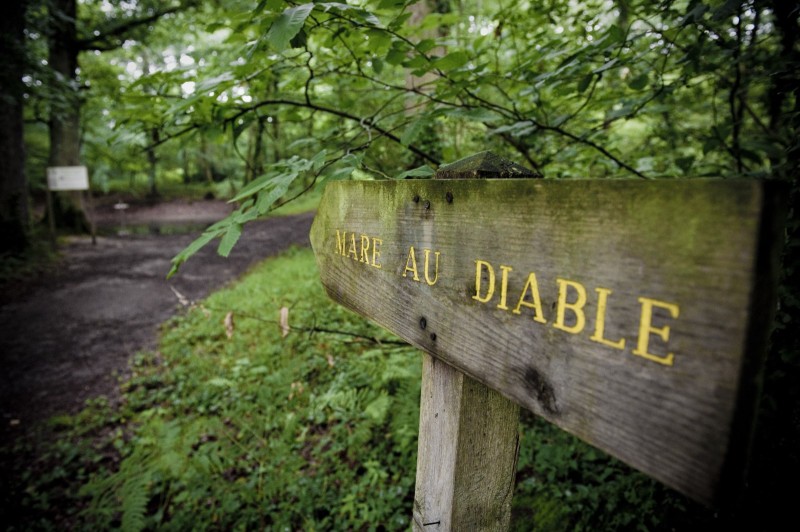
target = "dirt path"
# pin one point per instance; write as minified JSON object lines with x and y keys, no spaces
{"x":65,"y":336}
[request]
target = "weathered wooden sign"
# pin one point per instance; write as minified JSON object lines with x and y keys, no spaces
{"x":632,"y":314}
{"x":67,"y":178}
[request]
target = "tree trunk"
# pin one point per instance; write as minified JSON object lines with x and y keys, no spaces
{"x":14,"y":216}
{"x":205,"y":158}
{"x":428,"y":138}
{"x":155,"y":137}
{"x":65,"y":109}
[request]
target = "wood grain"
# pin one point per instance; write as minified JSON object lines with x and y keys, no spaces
{"x":685,"y":264}
{"x":468,"y":447}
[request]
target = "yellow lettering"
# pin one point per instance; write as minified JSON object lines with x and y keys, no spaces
{"x":341,"y":242}
{"x":600,"y":322}
{"x":646,"y":327}
{"x":536,"y":304}
{"x":411,"y":264}
{"x":576,"y":307}
{"x":364,"y":249}
{"x":352,"y":250}
{"x":504,"y":287}
{"x":436,"y":273}
{"x":375,"y":253}
{"x":479,"y":264}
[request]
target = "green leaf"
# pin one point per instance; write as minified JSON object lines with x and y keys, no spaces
{"x":516,"y":129}
{"x":416,"y":62}
{"x":288,"y":25}
{"x":624,"y":110}
{"x":379,"y":40}
{"x":639,"y":82}
{"x":400,"y":20}
{"x":229,"y":240}
{"x":425,"y":45}
{"x":318,"y":160}
{"x":584,"y":83}
{"x":213,"y":83}
{"x":377,"y":65}
{"x":253,"y":188}
{"x":280,"y":185}
{"x":348,"y":165}
{"x":338,"y":174}
{"x":361,"y":14}
{"x":412,"y":132}
{"x":616,"y":33}
{"x":300,"y":143}
{"x":190,"y":250}
{"x":452,"y":61}
{"x":395,"y":56}
{"x":606,"y":66}
{"x":420,"y":171}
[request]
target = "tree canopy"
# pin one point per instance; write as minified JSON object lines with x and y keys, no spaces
{"x":281,"y":96}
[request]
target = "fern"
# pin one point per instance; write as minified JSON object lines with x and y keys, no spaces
{"x":134,"y":495}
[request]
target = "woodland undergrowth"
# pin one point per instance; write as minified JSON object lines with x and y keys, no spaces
{"x":249,"y":416}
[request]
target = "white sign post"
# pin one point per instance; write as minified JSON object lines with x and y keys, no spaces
{"x":68,"y":178}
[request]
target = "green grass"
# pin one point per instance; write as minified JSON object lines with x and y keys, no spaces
{"x":237,"y":427}
{"x":230,"y":425}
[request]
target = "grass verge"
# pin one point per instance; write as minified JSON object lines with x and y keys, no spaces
{"x":237,"y":422}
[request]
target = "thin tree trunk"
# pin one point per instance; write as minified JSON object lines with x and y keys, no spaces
{"x":14,"y":215}
{"x":205,"y":158}
{"x":155,"y":137}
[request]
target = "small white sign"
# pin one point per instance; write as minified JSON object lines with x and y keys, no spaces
{"x":67,"y":178}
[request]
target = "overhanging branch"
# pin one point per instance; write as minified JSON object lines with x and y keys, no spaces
{"x":114,"y":37}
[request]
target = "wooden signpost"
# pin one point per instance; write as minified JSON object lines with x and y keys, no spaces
{"x":633,"y":314}
{"x":68,"y":179}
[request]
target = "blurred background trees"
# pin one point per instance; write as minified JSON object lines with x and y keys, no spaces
{"x":226,"y":92}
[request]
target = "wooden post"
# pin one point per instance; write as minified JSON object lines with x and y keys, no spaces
{"x":50,"y":218}
{"x":89,"y":212}
{"x":632,"y":314}
{"x":468,"y":433}
{"x":467,"y":454}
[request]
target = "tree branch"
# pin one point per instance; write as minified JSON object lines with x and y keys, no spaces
{"x":103,"y":42}
{"x":342,"y":114}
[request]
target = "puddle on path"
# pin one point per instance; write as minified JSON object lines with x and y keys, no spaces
{"x":179,"y":228}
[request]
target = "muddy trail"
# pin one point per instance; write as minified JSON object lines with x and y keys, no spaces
{"x":66,"y":337}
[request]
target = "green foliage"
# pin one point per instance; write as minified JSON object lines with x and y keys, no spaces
{"x":233,"y":426}
{"x":565,"y":484}
{"x":258,"y":198}
{"x":288,"y":25}
{"x":234,"y":89}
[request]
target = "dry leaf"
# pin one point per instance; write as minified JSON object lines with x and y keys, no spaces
{"x":228,"y":321}
{"x":284,"y":322}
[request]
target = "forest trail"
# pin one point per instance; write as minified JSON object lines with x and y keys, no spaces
{"x":66,"y":336}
